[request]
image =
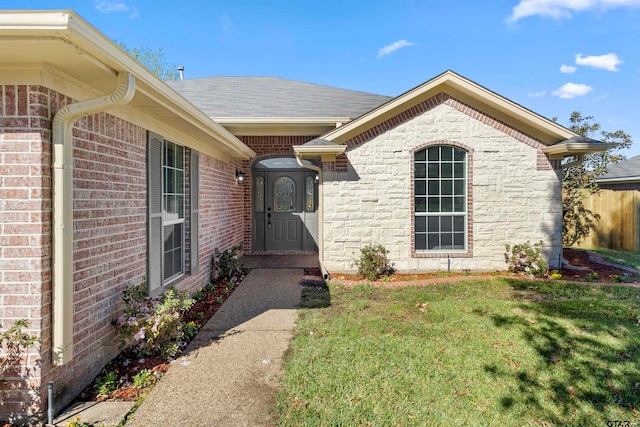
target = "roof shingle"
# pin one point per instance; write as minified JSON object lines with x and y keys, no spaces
{"x":629,"y":168}
{"x":259,"y":97}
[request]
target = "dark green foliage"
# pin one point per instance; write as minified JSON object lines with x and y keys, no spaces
{"x":580,"y":179}
{"x":373,"y":262}
{"x":227,"y":264}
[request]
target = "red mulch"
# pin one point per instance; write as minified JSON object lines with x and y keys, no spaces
{"x":126,"y":364}
{"x":575,"y":257}
{"x":580,"y":258}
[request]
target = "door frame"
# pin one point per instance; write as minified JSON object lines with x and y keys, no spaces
{"x":308,"y":241}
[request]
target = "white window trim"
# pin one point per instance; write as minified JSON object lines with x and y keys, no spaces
{"x":464,"y":215}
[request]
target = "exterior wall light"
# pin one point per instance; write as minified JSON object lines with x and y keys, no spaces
{"x":239,"y":177}
{"x":316,"y":178}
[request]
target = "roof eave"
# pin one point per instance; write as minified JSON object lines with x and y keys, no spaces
{"x":451,"y":82}
{"x":99,"y":52}
{"x":264,"y":126}
{"x":326,"y":153}
{"x":620,"y":180}
{"x":566,"y":149}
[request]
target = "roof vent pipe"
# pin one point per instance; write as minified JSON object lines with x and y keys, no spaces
{"x":181,"y":72}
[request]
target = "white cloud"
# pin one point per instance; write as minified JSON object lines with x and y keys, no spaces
{"x":567,"y":69}
{"x":558,"y":9}
{"x":393,"y":47}
{"x":537,"y":94}
{"x":571,"y":90}
{"x":608,"y":62}
{"x":112,"y":6}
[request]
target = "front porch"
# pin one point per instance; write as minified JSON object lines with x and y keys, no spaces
{"x":282,"y":261}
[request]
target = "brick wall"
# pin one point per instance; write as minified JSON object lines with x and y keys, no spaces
{"x":25,"y":230}
{"x":110,"y":235}
{"x":515,"y":197}
{"x":264,"y":146}
{"x":109,"y":243}
{"x":221,"y":211}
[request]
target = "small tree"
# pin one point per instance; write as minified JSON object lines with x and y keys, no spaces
{"x":577,"y":220}
{"x":153,"y":60}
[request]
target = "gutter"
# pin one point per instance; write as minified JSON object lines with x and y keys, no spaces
{"x":62,"y":138}
{"x":620,"y":180}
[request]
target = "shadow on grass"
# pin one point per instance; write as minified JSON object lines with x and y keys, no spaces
{"x":589,"y":346}
{"x":315,"y":294}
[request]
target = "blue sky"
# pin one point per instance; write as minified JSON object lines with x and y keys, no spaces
{"x":551,"y":56}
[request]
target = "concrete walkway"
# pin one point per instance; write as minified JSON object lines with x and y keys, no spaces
{"x":229,"y":373}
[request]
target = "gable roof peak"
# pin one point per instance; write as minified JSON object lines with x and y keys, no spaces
{"x":468,"y":92}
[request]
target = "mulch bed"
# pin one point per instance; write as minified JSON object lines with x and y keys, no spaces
{"x":580,"y":258}
{"x":580,"y":268}
{"x":126,"y":364}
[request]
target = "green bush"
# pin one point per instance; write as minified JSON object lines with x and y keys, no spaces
{"x":373,"y":262}
{"x":153,"y":326}
{"x":227,"y":264}
{"x":526,"y":259}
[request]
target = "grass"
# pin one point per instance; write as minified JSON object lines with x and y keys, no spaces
{"x":497,"y":351}
{"x":628,"y":258}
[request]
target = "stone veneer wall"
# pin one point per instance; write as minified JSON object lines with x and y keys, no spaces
{"x":110,"y":236}
{"x":514,"y":192}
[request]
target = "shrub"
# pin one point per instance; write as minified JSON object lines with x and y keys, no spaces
{"x":13,"y":342}
{"x":526,"y":259}
{"x":153,"y":326}
{"x":373,"y":262}
{"x":227,"y":264}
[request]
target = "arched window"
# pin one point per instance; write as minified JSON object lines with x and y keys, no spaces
{"x":440,"y":205}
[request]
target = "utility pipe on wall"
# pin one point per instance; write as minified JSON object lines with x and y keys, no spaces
{"x":62,"y":138}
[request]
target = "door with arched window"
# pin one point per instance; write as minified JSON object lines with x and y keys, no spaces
{"x":284,"y":207}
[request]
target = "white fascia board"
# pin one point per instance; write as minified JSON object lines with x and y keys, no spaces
{"x":561,"y":150}
{"x":456,"y":82}
{"x":281,"y":120}
{"x":100,"y":51}
{"x":327,"y":153}
{"x":261,"y":126}
{"x":618,"y":180}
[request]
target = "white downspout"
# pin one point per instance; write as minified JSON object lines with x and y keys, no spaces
{"x":62,"y":256}
{"x":320,"y":212}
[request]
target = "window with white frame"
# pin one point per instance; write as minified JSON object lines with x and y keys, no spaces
{"x":173,"y":211}
{"x":440,"y":204}
{"x":167,"y":236}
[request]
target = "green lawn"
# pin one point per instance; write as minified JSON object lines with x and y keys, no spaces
{"x":628,"y":258}
{"x":498,"y":352}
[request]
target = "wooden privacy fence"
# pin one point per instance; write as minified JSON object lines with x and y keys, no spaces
{"x":619,"y":225}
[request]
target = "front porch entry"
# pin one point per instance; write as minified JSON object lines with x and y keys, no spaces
{"x":284,"y":211}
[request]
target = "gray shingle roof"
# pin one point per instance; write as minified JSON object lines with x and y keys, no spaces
{"x":629,"y":168}
{"x":274,"y":97}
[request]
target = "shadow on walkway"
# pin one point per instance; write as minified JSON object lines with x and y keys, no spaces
{"x":229,"y":374}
